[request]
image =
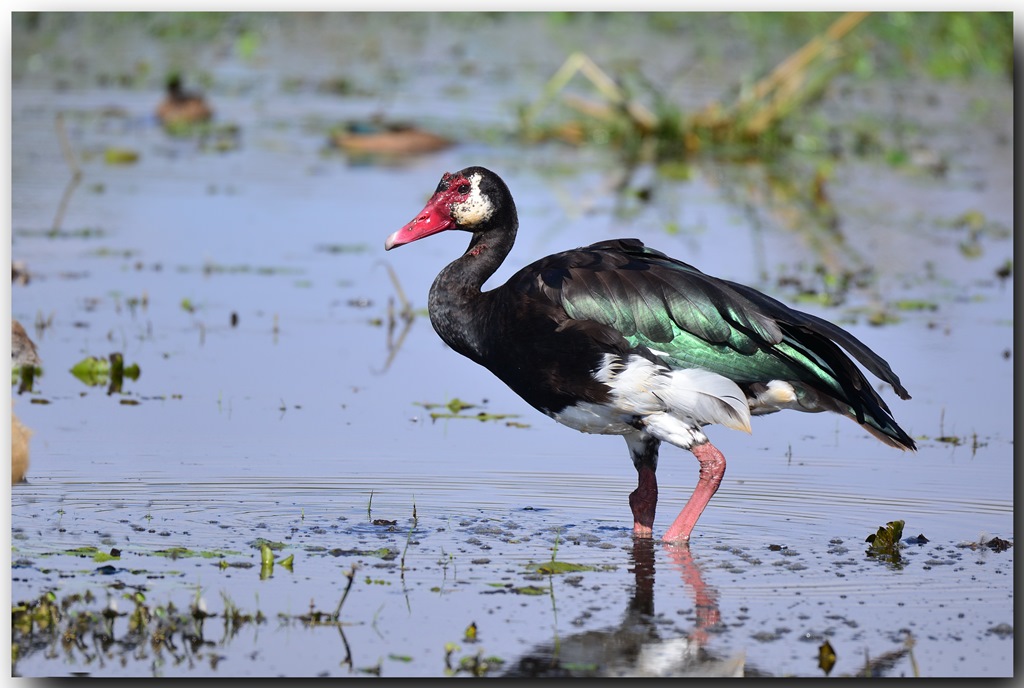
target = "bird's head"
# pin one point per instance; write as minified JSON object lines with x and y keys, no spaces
{"x":471,"y":200}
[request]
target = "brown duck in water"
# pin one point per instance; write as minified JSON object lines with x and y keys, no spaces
{"x":387,"y":138}
{"x":181,"y":107}
{"x":23,"y":353}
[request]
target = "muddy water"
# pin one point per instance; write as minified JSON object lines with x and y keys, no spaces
{"x":304,"y":423}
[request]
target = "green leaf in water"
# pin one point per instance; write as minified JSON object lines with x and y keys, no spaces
{"x":826,"y":657}
{"x":553,"y":567}
{"x":457,"y":405}
{"x":578,"y":667}
{"x":92,"y":371}
{"x":120,"y":156}
{"x":885,"y":544}
{"x":916,"y":305}
{"x":878,"y":318}
{"x":85,"y":551}
{"x":272,"y":544}
{"x":530,"y":590}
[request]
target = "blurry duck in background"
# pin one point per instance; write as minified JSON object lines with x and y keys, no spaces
{"x":181,"y":107}
{"x":23,"y":354}
{"x":19,"y":449}
{"x":378,"y":137}
{"x":23,"y":349}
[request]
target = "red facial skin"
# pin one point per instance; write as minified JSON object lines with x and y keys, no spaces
{"x":436,"y":214}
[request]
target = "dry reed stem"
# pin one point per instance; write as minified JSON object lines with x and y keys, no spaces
{"x":581,"y":63}
{"x":786,"y":82}
{"x":76,"y":171}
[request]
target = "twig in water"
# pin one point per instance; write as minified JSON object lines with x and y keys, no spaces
{"x":76,"y":171}
{"x":408,"y":538}
{"x":406,"y":312}
{"x":351,"y":575}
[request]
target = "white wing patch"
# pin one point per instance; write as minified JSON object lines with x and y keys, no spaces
{"x":476,"y":208}
{"x":672,"y":405}
{"x":776,"y":396}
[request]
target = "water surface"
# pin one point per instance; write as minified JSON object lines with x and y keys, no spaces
{"x":304,"y":422}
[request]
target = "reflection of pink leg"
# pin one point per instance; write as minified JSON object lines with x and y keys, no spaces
{"x":712,"y":468}
{"x":643,"y":501}
{"x":705,"y":598}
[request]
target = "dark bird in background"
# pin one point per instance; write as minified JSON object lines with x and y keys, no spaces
{"x":180,"y":107}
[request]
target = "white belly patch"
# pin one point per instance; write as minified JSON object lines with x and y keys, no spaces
{"x":672,"y":405}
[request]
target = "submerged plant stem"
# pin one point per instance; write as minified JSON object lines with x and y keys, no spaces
{"x":351,"y":575}
{"x":76,"y":171}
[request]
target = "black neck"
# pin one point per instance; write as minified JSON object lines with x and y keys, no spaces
{"x":458,"y":308}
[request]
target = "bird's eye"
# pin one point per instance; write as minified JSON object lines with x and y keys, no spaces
{"x":463,"y":188}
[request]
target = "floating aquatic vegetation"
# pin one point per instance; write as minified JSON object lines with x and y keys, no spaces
{"x":95,"y":553}
{"x":826,"y":657}
{"x":95,"y":371}
{"x":57,"y":233}
{"x":342,"y":248}
{"x":120,"y":156}
{"x":81,"y":628}
{"x":25,"y":376}
{"x":530,"y":590}
{"x":455,"y":408}
{"x":186,"y":553}
{"x":474,"y":665}
{"x":979,"y":229}
{"x":885,"y":543}
{"x":211,"y":268}
{"x":556,"y":567}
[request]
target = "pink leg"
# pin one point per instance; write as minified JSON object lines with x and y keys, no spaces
{"x":712,"y":468}
{"x":643,"y":501}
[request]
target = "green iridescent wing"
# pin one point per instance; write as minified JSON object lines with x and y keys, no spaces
{"x":690,"y":319}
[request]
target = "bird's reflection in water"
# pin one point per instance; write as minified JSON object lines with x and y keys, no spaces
{"x":639,"y":645}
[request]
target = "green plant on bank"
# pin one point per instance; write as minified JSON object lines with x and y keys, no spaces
{"x":946,"y":45}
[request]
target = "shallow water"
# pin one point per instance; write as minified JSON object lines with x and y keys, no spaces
{"x":303,"y":423}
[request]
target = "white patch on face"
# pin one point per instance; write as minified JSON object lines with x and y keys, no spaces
{"x":477,"y":207}
{"x":672,"y":405}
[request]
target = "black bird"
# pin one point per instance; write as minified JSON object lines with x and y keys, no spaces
{"x":620,"y":339}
